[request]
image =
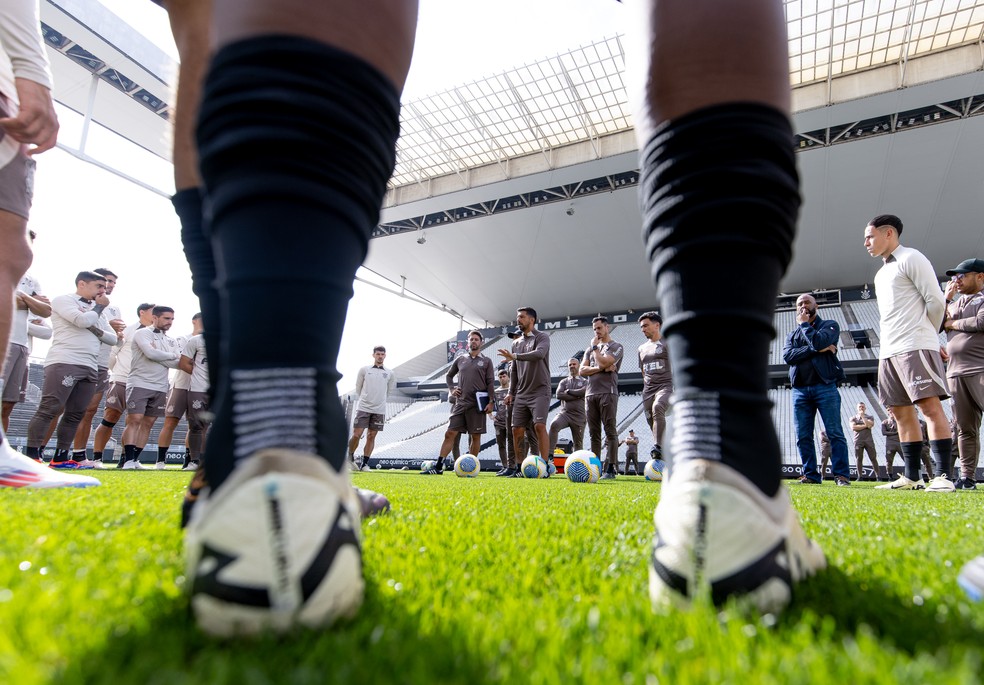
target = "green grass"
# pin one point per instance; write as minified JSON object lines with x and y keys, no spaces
{"x":491,"y":580}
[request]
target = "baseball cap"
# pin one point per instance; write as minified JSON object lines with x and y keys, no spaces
{"x":518,"y":332}
{"x":966,"y":266}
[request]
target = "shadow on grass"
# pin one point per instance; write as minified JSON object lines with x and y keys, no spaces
{"x":383,"y":644}
{"x":912,"y":625}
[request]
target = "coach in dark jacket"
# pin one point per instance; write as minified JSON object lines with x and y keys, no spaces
{"x":814,"y":371}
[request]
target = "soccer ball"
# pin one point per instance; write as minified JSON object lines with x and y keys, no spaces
{"x":579,"y":468}
{"x":596,"y":462}
{"x":654,"y":469}
{"x":534,"y":467}
{"x":467,"y":466}
{"x":428,"y":464}
{"x":277,"y":547}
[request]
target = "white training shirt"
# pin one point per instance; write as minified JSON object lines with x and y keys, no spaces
{"x":910,"y":302}
{"x":72,"y":342}
{"x":153,"y":353}
{"x":194,"y":349}
{"x":182,"y":380}
{"x":109,"y":313}
{"x":19,"y":326}
{"x":373,"y":384}
{"x":119,"y":362}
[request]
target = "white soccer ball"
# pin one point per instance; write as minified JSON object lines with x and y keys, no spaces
{"x":654,"y":469}
{"x":278,"y":546}
{"x":596,"y":474}
{"x":534,"y":467}
{"x":467,"y":466}
{"x":579,"y":468}
{"x":427,"y":464}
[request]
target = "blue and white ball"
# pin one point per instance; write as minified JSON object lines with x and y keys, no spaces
{"x":428,"y":464}
{"x":467,"y":466}
{"x":596,"y":462}
{"x":654,"y":469}
{"x":534,"y":467}
{"x":579,"y":468}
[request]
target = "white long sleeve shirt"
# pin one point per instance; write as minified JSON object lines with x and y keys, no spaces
{"x":109,"y":313}
{"x":154,"y":352}
{"x":373,"y":384}
{"x":194,"y":349}
{"x":72,"y":342}
{"x":910,"y":303}
{"x":19,"y":326}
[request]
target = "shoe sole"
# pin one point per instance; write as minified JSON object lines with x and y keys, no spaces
{"x":718,"y":535}
{"x":277,"y":546}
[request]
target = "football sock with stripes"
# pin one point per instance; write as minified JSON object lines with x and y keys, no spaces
{"x":190,"y":208}
{"x":297,"y":141}
{"x":720,"y":196}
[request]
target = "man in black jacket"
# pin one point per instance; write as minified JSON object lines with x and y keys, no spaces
{"x":811,"y":353}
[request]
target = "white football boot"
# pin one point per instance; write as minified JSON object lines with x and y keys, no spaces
{"x":717,"y":532}
{"x":277,"y":546}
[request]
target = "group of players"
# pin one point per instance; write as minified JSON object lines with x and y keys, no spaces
{"x":95,"y":354}
{"x":520,"y":405}
{"x":914,"y":371}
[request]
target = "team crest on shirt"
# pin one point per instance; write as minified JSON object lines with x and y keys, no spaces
{"x":481,"y":364}
{"x":68,"y":381}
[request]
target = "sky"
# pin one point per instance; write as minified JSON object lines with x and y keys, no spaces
{"x":86,"y":217}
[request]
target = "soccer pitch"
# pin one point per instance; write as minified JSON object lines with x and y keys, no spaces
{"x":492,"y":580}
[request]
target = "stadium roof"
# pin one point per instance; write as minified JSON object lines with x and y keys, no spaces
{"x":519,"y":187}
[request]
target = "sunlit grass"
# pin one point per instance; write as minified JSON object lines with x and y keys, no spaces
{"x":492,"y":580}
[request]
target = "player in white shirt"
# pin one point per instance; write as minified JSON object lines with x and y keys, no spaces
{"x":153,"y":353}
{"x":70,"y":366}
{"x":177,"y":400}
{"x":111,"y":319}
{"x":30,"y":305}
{"x":119,"y":367}
{"x":194,"y":361}
{"x":373,"y":385}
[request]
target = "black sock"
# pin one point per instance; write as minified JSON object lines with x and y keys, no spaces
{"x":912,"y":456}
{"x":97,"y":456}
{"x":942,"y":454}
{"x":33,"y":452}
{"x":137,"y":451}
{"x":189,"y":206}
{"x":162,"y":453}
{"x":294,"y":133}
{"x":60,"y":455}
{"x":129,"y":452}
{"x":78,"y":455}
{"x":719,"y":186}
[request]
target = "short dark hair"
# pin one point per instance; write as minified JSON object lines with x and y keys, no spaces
{"x":887,"y":220}
{"x":32,"y":235}
{"x":474,"y":332}
{"x":529,"y":311}
{"x":144,"y":307}
{"x":197,"y":316}
{"x":161,"y":309}
{"x":652,"y":316}
{"x":105,"y":272}
{"x":603,"y":319}
{"x":379,"y":348}
{"x":503,"y":372}
{"x":89,"y":276}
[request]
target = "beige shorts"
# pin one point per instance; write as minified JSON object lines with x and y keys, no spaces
{"x":911,"y":376}
{"x":177,"y":403}
{"x":373,"y":422}
{"x":116,"y":396}
{"x":145,"y":402}
{"x":17,"y":177}
{"x":15,"y":374}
